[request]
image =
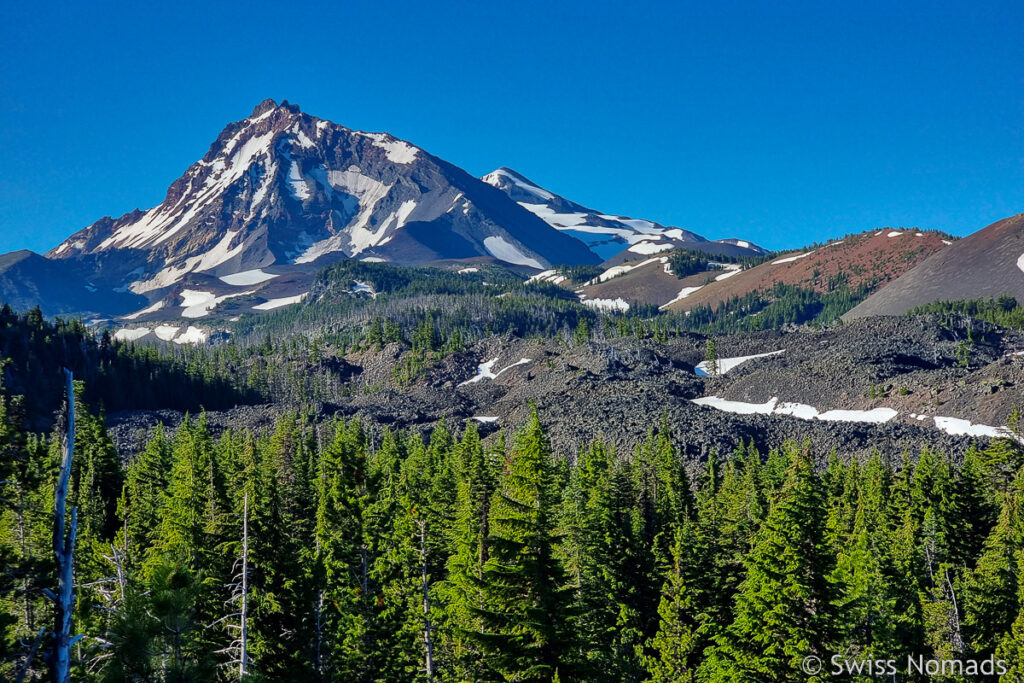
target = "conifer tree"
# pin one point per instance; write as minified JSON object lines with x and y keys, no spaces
{"x":783,"y":606}
{"x":524,"y":635}
{"x":992,"y":589}
{"x":677,"y":643}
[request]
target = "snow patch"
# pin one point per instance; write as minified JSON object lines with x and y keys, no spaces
{"x":1020,"y":262}
{"x":247,"y":277}
{"x":485,"y":370}
{"x":607,"y":304}
{"x":894,"y":233}
{"x":683,"y":293}
{"x":790,"y":259}
{"x":959,"y":427}
{"x":798,"y":410}
{"x":649,"y":247}
{"x":197,"y":303}
{"x":297,"y":183}
{"x":364,"y":288}
{"x":220,"y":253}
{"x":398,"y":151}
{"x":131,"y":334}
{"x":149,"y":309}
{"x":727,"y":364}
{"x":738,"y":407}
{"x":166,"y":332}
{"x":625,"y":268}
{"x":278,"y":303}
{"x":493,"y":179}
{"x":484,"y":419}
{"x":501,"y":249}
{"x":193,"y":335}
{"x":463,"y":271}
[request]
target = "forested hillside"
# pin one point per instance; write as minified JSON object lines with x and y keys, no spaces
{"x":333,"y":552}
{"x":119,"y":376}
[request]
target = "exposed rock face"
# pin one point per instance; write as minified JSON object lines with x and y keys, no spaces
{"x":987,"y":263}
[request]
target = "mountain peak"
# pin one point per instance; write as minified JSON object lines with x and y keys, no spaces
{"x":270,"y":104}
{"x":264,"y":106}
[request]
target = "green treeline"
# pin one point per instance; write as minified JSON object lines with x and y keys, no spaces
{"x":1003,"y":311}
{"x":119,"y":376}
{"x":393,"y":557}
{"x":778,"y":307}
{"x":685,"y":262}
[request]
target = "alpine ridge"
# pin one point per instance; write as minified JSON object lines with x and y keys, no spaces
{"x":281,"y":187}
{"x":614,"y":238}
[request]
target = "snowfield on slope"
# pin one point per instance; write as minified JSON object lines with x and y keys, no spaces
{"x":149,"y":309}
{"x":800,"y":410}
{"x":485,"y":370}
{"x":247,"y":277}
{"x":502,"y":249}
{"x":727,"y":364}
{"x":278,"y":303}
{"x":132,"y":334}
{"x":683,"y":293}
{"x":606,"y":304}
{"x":197,"y":303}
{"x":960,"y":427}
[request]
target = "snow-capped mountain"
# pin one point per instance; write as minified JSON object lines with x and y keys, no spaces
{"x":284,"y":187}
{"x":615,"y":238}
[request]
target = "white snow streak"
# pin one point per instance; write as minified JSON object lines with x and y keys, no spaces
{"x":649,"y":247}
{"x":959,"y":427}
{"x":131,"y":334}
{"x":799,"y":410}
{"x":790,"y":259}
{"x":607,"y":304}
{"x":149,"y":309}
{"x":727,"y":364}
{"x":278,"y":303}
{"x":193,"y":335}
{"x":484,"y":370}
{"x":683,"y":293}
{"x":247,"y":277}
{"x":503,"y":250}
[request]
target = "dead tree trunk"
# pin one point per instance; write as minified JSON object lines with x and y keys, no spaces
{"x":428,"y":641}
{"x":64,"y":553}
{"x":243,"y":658}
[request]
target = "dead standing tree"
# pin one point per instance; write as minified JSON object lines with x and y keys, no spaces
{"x":239,"y":647}
{"x":64,"y":553}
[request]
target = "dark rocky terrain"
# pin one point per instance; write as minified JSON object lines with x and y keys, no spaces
{"x":620,"y":388}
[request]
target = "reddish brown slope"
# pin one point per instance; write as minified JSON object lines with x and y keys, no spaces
{"x":874,"y":258}
{"x":986,"y":264}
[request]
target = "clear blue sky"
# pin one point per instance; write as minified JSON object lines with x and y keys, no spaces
{"x":780,"y":122}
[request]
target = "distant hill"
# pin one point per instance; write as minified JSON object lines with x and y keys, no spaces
{"x":871,"y":259}
{"x":987,"y":263}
